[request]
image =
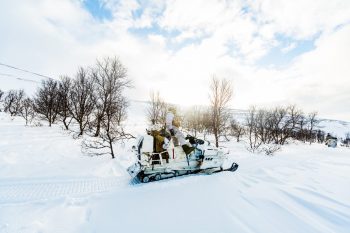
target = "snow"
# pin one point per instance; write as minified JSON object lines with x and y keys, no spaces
{"x":40,"y":152}
{"x":336,"y":128}
{"x":48,"y":185}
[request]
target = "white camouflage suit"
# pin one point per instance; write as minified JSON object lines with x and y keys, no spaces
{"x":177,"y":133}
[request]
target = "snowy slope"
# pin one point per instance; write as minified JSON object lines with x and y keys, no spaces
{"x":336,"y":128}
{"x":48,"y":185}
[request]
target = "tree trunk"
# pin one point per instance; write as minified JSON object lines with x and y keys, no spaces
{"x":216,"y":139}
{"x":65,"y":123}
{"x":98,"y":127}
{"x":110,"y":141}
{"x":81,"y":128}
{"x":111,"y":147}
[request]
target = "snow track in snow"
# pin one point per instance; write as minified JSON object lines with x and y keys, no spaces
{"x":14,"y":191}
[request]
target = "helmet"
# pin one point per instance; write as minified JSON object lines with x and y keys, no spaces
{"x":172,"y":109}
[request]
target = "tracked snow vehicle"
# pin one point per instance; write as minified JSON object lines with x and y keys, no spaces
{"x":173,"y":161}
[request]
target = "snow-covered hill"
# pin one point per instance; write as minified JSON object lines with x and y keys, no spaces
{"x":48,"y":185}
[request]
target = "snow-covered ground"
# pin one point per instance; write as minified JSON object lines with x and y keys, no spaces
{"x":48,"y":185}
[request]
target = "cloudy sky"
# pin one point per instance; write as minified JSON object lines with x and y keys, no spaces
{"x":275,"y":52}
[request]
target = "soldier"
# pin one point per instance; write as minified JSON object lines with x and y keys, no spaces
{"x":173,"y":125}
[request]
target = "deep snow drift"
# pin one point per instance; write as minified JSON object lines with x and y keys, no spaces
{"x":48,"y":185}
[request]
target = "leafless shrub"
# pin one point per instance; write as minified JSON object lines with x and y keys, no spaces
{"x":270,"y":149}
{"x":37,"y":124}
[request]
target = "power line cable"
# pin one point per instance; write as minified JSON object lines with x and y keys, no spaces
{"x":27,"y":71}
{"x":9,"y":75}
{"x":18,"y":78}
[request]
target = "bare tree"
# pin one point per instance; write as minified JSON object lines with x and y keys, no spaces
{"x":193,"y":120}
{"x":346,"y":141}
{"x":302,"y":135}
{"x":156,"y":109}
{"x":289,"y":125}
{"x":103,"y":144}
{"x":115,"y":112}
{"x":64,"y":103}
{"x":206,"y":122}
{"x":109,"y":75}
{"x":254,"y":142}
{"x":112,"y":130}
{"x":1,"y":95}
{"x":46,"y":101}
{"x":263,"y":124}
{"x":312,"y":124}
{"x":113,"y":81}
{"x":13,"y":102}
{"x":220,"y":95}
{"x":277,"y":124}
{"x":121,"y":113}
{"x":236,"y":129}
{"x":82,"y":99}
{"x":27,"y":110}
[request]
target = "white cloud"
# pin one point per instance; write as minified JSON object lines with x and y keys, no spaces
{"x":301,"y":19}
{"x":324,"y":73}
{"x":222,"y":20}
{"x":159,"y":40}
{"x":55,"y":37}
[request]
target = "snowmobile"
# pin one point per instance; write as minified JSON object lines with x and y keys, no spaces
{"x":173,"y":161}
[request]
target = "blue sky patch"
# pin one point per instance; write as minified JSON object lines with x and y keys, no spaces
{"x":154,"y":30}
{"x":97,"y":9}
{"x":279,"y":58}
{"x":137,"y":13}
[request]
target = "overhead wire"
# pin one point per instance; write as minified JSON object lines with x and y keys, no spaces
{"x":27,"y":71}
{"x":21,"y":79}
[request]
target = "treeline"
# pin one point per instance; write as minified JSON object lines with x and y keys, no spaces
{"x":263,"y":130}
{"x":93,"y":100}
{"x":267,"y":129}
